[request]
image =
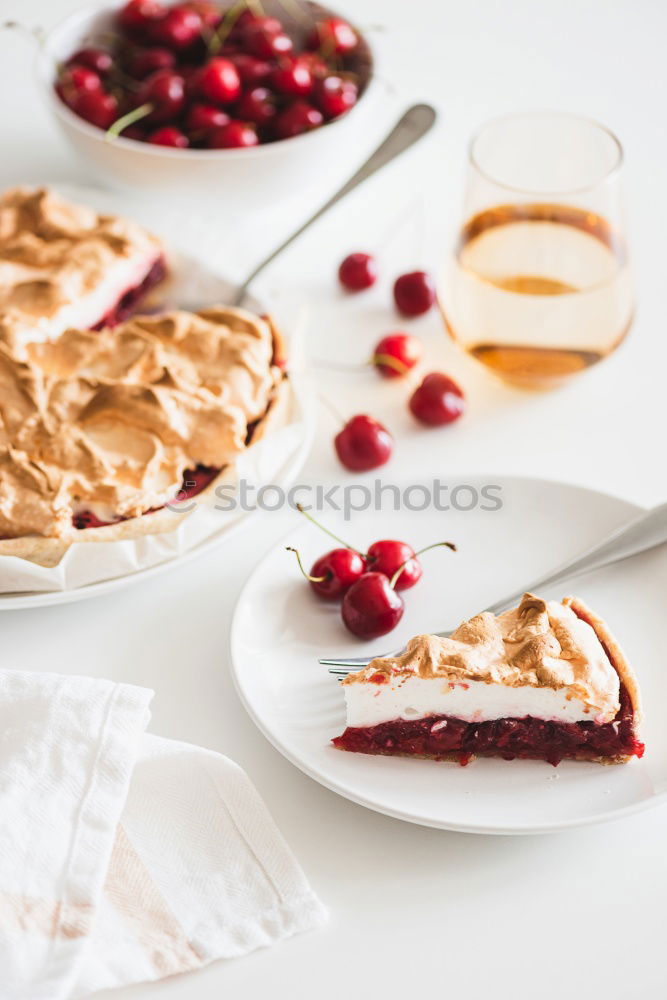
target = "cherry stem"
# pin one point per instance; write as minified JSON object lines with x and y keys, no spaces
{"x":35,"y":34}
{"x":389,"y":362}
{"x":332,"y":409}
{"x":113,"y":132}
{"x":312,"y":579}
{"x":222,"y":32}
{"x":449,"y":545}
{"x":322,"y":528}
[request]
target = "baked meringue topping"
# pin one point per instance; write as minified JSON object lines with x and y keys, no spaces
{"x":110,"y":420}
{"x":63,"y":265}
{"x":539,"y":660}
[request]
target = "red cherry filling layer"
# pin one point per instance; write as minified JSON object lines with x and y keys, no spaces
{"x":194,"y":481}
{"x":128,"y":302}
{"x":442,"y":736}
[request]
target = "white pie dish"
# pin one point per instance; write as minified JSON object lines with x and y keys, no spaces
{"x":264,"y":172}
{"x":299,"y":707}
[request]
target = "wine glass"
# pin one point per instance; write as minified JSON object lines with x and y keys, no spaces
{"x":538,"y":287}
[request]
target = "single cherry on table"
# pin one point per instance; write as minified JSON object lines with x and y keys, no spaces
{"x":438,"y":400}
{"x":358,"y":271}
{"x":396,"y":354}
{"x":363,"y":444}
{"x":414,"y":293}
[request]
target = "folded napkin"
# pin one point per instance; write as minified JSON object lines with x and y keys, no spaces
{"x":124,"y":857}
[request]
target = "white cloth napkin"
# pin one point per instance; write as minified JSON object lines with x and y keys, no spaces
{"x":125,"y":857}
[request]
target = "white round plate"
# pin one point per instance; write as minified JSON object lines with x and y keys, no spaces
{"x":280,"y":629}
{"x":192,"y":284}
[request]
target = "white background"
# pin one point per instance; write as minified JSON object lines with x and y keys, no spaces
{"x":413,"y":911}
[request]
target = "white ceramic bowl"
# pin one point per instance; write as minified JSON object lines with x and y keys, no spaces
{"x":267,"y":172}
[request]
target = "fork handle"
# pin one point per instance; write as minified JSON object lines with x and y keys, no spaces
{"x":645,"y":532}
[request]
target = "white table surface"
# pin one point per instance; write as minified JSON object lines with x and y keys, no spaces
{"x":413,"y":909}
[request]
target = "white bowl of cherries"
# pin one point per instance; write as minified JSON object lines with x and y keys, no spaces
{"x":206,"y":98}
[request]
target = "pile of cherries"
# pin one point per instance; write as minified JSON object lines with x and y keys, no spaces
{"x":364,"y":443}
{"x":196,"y":75}
{"x":366,"y":583}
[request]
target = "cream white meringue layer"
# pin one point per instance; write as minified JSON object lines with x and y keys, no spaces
{"x":472,"y":701}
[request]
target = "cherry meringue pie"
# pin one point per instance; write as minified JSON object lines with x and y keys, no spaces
{"x":64,"y":265}
{"x":544,"y":681}
{"x":100,"y":428}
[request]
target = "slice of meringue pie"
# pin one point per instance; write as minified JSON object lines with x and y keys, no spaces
{"x":64,"y":265}
{"x":544,"y":681}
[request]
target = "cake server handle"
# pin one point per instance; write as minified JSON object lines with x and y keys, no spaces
{"x":644,"y":532}
{"x":411,"y":126}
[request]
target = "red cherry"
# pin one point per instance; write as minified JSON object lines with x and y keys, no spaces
{"x":414,"y":293}
{"x":218,"y":81}
{"x":143,"y":62}
{"x":316,"y":64}
{"x":292,"y":76}
{"x":388,"y":556}
{"x":168,"y":135}
{"x":363,"y":444}
{"x":371,"y":607}
{"x":297,"y":118}
{"x":334,"y":573}
{"x":179,"y":29}
{"x":77,"y":79}
{"x":138,"y":16}
{"x":336,"y":95}
{"x":202,"y":118}
{"x":334,"y":36}
{"x":396,"y":354}
{"x":209,"y":13}
{"x":165,"y":91}
{"x":257,"y":105}
{"x":437,"y":401}
{"x":251,"y":69}
{"x":135,"y":132}
{"x":264,"y":37}
{"x":358,"y":271}
{"x":98,"y":59}
{"x":96,"y":107}
{"x":233,"y":135}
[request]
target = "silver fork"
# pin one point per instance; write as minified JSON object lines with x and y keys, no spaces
{"x":642,"y":533}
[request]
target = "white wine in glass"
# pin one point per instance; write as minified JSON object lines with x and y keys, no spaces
{"x":539,"y":287}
